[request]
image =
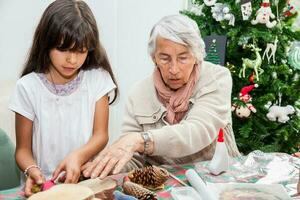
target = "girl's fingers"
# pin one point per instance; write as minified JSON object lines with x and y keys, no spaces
{"x":28,"y":186}
{"x":57,"y":171}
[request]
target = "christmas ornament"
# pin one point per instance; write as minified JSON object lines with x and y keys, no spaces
{"x":221,"y":12}
{"x":244,"y":93}
{"x":271,"y":47}
{"x":212,"y":53}
{"x":215,"y":48}
{"x":246,"y":8}
{"x":289,"y":10}
{"x":243,"y":108}
{"x":263,"y":15}
{"x":197,"y":9}
{"x":297,"y":107}
{"x":294,"y":55}
{"x":279,"y":113}
{"x":251,"y":78}
{"x":274,"y":75}
{"x":231,"y":67}
{"x":220,"y":160}
{"x":151,"y":177}
{"x":210,"y":2}
{"x":138,"y":191}
{"x":252,"y":64}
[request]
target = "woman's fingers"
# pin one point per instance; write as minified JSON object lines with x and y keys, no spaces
{"x":119,"y":166}
{"x":86,"y":165}
{"x":100,"y":164}
{"x":109,"y":167}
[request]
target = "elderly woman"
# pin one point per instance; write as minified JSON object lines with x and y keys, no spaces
{"x":174,"y":115}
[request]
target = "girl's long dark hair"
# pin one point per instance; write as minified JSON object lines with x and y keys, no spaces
{"x":67,"y":25}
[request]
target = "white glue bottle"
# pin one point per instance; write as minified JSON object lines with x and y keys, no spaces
{"x":220,"y":160}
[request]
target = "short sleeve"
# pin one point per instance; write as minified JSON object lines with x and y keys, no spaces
{"x":20,"y":101}
{"x":104,"y":84}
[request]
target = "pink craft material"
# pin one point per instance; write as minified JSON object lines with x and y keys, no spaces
{"x":47,"y":185}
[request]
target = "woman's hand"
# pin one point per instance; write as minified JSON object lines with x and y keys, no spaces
{"x":35,"y":176}
{"x":114,"y":157}
{"x":71,"y":166}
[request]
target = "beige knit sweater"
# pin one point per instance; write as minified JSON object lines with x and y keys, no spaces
{"x":194,"y":138}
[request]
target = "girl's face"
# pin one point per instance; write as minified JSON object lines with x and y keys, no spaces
{"x":65,"y":64}
{"x":175,"y":62}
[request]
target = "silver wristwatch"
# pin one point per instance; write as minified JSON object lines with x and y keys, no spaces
{"x":147,"y":139}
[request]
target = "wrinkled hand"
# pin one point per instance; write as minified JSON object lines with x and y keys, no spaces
{"x":114,"y":157}
{"x":71,"y":166}
{"x":35,"y":176}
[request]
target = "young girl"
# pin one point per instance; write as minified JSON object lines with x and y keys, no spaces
{"x":61,"y":100}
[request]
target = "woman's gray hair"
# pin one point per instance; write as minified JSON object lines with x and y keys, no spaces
{"x":180,"y":29}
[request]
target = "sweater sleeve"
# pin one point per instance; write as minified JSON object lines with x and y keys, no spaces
{"x":210,"y":112}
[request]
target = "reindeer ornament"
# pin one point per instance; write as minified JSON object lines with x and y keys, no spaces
{"x":252,"y":64}
{"x":271,"y":50}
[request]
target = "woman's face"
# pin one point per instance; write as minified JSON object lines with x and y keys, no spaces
{"x":175,"y":62}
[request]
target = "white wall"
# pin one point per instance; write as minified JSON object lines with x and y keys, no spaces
{"x":124,"y":29}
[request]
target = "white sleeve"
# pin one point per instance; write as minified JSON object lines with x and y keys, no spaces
{"x":104,"y":84}
{"x":21,"y":102}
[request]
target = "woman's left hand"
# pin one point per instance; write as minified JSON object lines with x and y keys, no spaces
{"x":71,"y":166}
{"x":114,"y":157}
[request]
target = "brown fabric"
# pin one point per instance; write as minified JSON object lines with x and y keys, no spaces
{"x":176,"y":102}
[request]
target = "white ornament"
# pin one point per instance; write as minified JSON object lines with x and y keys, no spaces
{"x":280,"y":113}
{"x":221,"y":12}
{"x":263,"y":15}
{"x":225,"y":9}
{"x":274,"y":75}
{"x":210,"y":2}
{"x":271,"y":47}
{"x":197,"y":9}
{"x":246,"y":8}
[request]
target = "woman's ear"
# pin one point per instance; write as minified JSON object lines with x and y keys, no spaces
{"x":154,"y":61}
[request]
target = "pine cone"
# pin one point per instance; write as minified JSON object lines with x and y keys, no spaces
{"x":151,"y":177}
{"x":36,"y":188}
{"x":138,"y":191}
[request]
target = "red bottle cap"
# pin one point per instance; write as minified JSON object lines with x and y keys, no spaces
{"x":221,"y":136}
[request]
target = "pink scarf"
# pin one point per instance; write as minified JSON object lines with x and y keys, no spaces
{"x":176,"y":102}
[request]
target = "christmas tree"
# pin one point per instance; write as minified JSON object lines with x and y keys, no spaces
{"x":263,"y":56}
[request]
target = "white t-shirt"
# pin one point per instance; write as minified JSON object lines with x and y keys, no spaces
{"x":61,"y":124}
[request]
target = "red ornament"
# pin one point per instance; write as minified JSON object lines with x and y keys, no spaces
{"x":251,"y":78}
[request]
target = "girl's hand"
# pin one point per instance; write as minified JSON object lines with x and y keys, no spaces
{"x":71,"y":166}
{"x":35,"y":176}
{"x":114,"y":157}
